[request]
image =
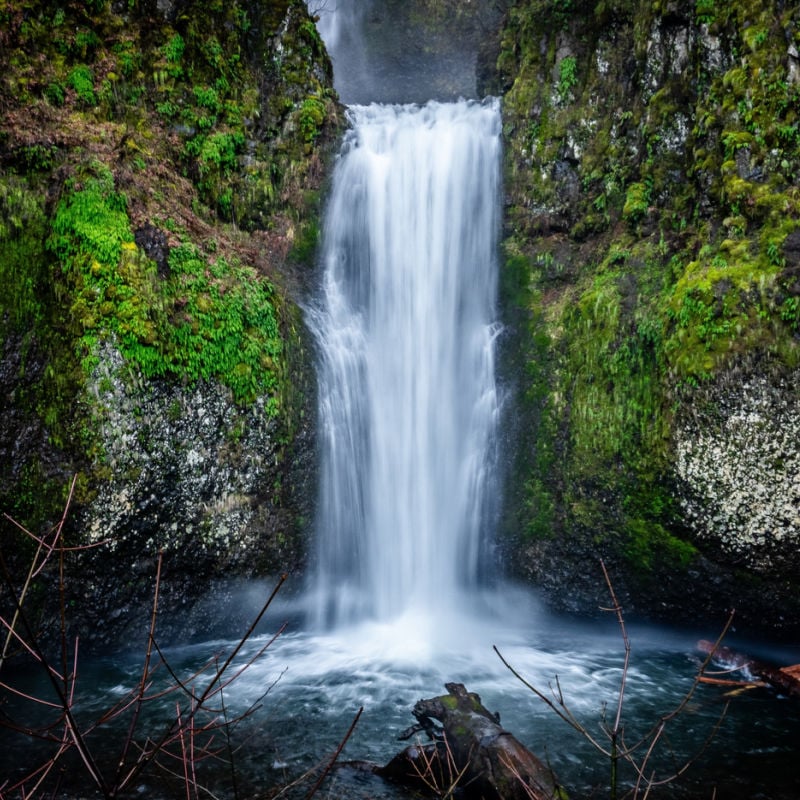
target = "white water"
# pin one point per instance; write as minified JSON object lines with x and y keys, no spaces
{"x":408,"y":403}
{"x":338,"y":20}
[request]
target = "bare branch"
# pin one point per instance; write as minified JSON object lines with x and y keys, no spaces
{"x":336,"y":755}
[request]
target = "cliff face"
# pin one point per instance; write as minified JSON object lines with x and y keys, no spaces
{"x":161,"y":166}
{"x":652,"y":287}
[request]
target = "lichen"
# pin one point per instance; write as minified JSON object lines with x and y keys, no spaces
{"x":651,"y":167}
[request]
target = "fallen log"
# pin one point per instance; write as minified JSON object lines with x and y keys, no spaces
{"x":783,"y":679}
{"x":470,"y":751}
{"x":735,"y":684}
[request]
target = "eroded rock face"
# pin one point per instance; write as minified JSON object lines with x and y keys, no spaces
{"x":652,"y":295}
{"x":739,"y":464}
{"x":219,"y":490}
{"x":211,"y":127}
{"x":186,"y":464}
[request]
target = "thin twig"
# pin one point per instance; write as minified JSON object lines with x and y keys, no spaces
{"x":336,"y":755}
{"x":170,"y":733}
{"x":143,"y":682}
{"x":559,"y":707}
{"x":32,"y":644}
{"x":36,"y":565}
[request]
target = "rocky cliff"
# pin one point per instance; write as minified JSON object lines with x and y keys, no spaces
{"x":652,"y":289}
{"x":161,"y":167}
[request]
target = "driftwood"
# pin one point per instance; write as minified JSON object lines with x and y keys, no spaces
{"x":470,"y":751}
{"x":784,"y":679}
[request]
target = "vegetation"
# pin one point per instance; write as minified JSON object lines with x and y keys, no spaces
{"x":156,"y":174}
{"x":208,"y":320}
{"x":652,"y":193}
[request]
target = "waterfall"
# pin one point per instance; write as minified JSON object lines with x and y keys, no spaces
{"x":405,"y":326}
{"x":337,"y":20}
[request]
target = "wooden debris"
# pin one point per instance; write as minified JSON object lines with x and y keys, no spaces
{"x":471,"y":751}
{"x":783,"y":679}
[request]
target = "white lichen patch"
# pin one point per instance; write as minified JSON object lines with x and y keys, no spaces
{"x":168,"y":452}
{"x":741,"y":472}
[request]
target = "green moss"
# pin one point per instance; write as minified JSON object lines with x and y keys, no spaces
{"x":311,"y":117}
{"x":306,"y":242}
{"x":223,"y":326}
{"x":115,"y":117}
{"x":726,"y":303}
{"x":81,"y":80}
{"x":449,"y":701}
{"x":650,"y":547}
{"x":567,"y":77}
{"x":637,"y":201}
{"x":212,"y":320}
{"x":698,"y":160}
{"x":23,"y":266}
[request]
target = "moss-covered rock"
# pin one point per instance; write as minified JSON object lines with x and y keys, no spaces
{"x":159,"y":163}
{"x":652,"y":159}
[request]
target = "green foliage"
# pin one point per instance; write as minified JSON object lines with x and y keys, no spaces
{"x":637,"y":201}
{"x":55,"y":94}
{"x":128,"y":58}
{"x":311,"y":117}
{"x":705,"y":11}
{"x":173,"y":54}
{"x":790,"y":311}
{"x":567,"y":77}
{"x":720,"y":307}
{"x":651,"y":547}
{"x":216,"y":157}
{"x":81,"y":80}
{"x":23,"y":267}
{"x":613,"y":371}
{"x":209,"y":321}
{"x":223,"y":325}
{"x":218,"y":152}
{"x":207,"y":97}
{"x":91,"y":222}
{"x":91,"y":233}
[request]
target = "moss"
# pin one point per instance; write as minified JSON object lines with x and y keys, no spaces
{"x":223,"y":326}
{"x":651,"y":548}
{"x":311,"y":117}
{"x":125,"y":112}
{"x":449,"y":701}
{"x":637,"y":201}
{"x":212,"y":319}
{"x":23,"y":265}
{"x":648,"y":204}
{"x":306,"y":242}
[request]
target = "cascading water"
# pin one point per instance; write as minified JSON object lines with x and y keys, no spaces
{"x":408,"y":400}
{"x":338,"y":20}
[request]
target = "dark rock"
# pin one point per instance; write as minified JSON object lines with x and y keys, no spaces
{"x":154,"y":243}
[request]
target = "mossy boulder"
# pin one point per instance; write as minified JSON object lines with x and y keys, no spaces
{"x":159,"y":163}
{"x":652,"y":205}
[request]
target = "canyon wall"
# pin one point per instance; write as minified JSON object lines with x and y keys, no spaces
{"x":652,"y":295}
